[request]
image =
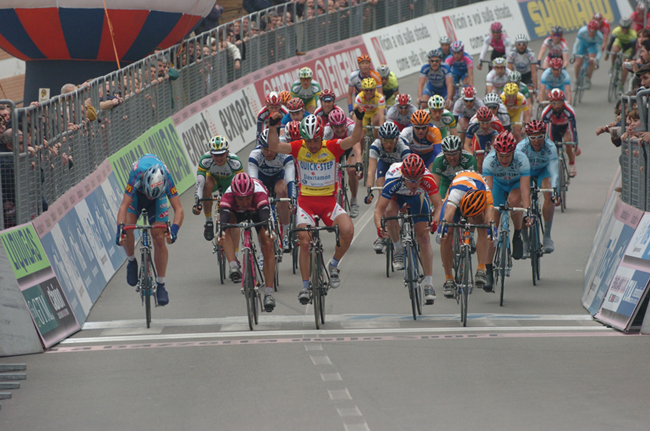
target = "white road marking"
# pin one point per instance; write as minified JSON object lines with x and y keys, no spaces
{"x":357,"y":427}
{"x":347,"y":412}
{"x":309,"y":347}
{"x":339,"y":394}
{"x":330,"y":377}
{"x":321,"y":360}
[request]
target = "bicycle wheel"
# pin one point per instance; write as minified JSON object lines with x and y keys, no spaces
{"x":322,"y":291}
{"x":221,"y":263}
{"x":503,"y":249}
{"x":533,"y":249}
{"x":249,"y":290}
{"x":419,"y":295}
{"x":146,"y":288}
{"x":465,"y":285}
{"x":563,"y":170}
{"x":409,"y":276}
{"x":315,"y":286}
{"x":389,"y":257}
{"x":458,"y":261}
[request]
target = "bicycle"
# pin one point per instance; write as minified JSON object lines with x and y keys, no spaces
{"x":147,"y":278}
{"x":389,"y":248}
{"x":413,"y":273}
{"x":342,"y":193}
{"x":615,"y":84}
{"x":536,"y":231}
{"x":253,"y":276}
{"x":216,"y":247}
{"x":319,"y":279}
{"x":277,"y":235}
{"x":580,"y":86}
{"x":503,"y":256}
{"x":563,"y":165}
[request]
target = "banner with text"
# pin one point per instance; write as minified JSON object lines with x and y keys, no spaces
{"x":471,"y":24}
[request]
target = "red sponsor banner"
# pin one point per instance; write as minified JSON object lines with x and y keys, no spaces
{"x":380,"y":52}
{"x":449,"y":27}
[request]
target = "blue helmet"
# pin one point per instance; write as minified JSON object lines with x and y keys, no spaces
{"x":154,"y":181}
{"x":388,"y":130}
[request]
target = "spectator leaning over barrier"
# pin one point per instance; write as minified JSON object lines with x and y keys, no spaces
{"x":614,"y":127}
{"x":632,"y":126}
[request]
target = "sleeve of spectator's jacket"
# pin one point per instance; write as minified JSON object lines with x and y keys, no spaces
{"x":173,"y":74}
{"x":234,"y":51}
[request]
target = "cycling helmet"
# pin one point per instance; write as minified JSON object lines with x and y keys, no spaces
{"x":597,"y":17}
{"x":492,"y":100}
{"x":295,"y":105}
{"x":505,"y":143}
{"x":403,"y":99}
{"x":337,"y":117}
{"x":293,"y":129}
{"x":154,"y":181}
{"x":451,"y":143}
{"x":469,"y":93}
{"x":556,"y":29}
{"x":383,"y":70}
{"x":413,"y":167}
{"x":327,"y":96}
{"x":242,"y":185}
{"x":285,"y":96}
{"x":263,"y":139}
{"x":457,"y":46}
{"x":496,"y":26}
{"x":499,"y":62}
{"x":473,"y":203}
{"x":436,"y":102}
{"x":435,"y":53}
{"x":625,"y":22}
{"x":511,"y":89}
{"x":556,"y":95}
{"x":420,"y":118}
{"x":593,"y":25}
{"x":514,"y":76}
{"x":273,"y":99}
{"x":305,"y":73}
{"x":556,"y":63}
{"x":311,"y":127}
{"x":368,"y":84}
{"x":640,"y":6}
{"x":444,"y":39}
{"x":521,"y":38}
{"x":484,"y":114}
{"x":388,"y":130}
{"x":535,"y":127}
{"x":363,"y":57}
{"x":218,"y":145}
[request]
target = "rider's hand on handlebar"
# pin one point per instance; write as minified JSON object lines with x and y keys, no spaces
{"x":196,"y":209}
{"x":443,"y":229}
{"x":368,"y":199}
{"x":120,"y":234}
{"x":381,"y":233}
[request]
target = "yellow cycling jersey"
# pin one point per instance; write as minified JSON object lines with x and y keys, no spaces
{"x":371,"y":105}
{"x":317,"y":171}
{"x":515,"y":110}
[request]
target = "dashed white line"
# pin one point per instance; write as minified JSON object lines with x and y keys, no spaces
{"x":321,"y":360}
{"x":349,"y":411}
{"x":339,"y":394}
{"x":330,"y":377}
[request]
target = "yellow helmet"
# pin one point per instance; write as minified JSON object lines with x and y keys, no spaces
{"x":368,"y":84}
{"x":511,"y":89}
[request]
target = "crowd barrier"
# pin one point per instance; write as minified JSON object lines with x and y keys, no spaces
{"x":64,"y":257}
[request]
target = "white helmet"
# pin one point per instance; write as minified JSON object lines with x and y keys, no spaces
{"x":521,"y":38}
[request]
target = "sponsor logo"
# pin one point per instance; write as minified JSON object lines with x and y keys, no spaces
{"x":613,"y":298}
{"x":157,"y":184}
{"x":237,"y":118}
{"x":322,"y":156}
{"x":541,"y":15}
{"x":173,"y":191}
{"x":129,"y":189}
{"x":378,"y":50}
{"x":196,"y":137}
{"x":449,"y":27}
{"x":163,"y":215}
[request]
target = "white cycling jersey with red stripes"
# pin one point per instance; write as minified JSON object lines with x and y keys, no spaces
{"x":328,"y":133}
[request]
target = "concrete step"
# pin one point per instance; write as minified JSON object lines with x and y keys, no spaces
{"x":9,"y":385}
{"x":12,"y":376}
{"x":5,"y":395}
{"x":12,"y":367}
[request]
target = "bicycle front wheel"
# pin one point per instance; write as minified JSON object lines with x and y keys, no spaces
{"x":249,"y":290}
{"x":563,"y":177}
{"x":221,"y":263}
{"x":465,"y":286}
{"x":146,"y":289}
{"x":534,"y":250}
{"x":503,"y":250}
{"x":389,"y":257}
{"x":315,"y":286}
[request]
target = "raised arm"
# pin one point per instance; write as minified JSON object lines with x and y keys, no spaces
{"x":274,"y":139}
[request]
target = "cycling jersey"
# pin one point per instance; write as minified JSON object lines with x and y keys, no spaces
{"x":320,"y":113}
{"x":328,"y":132}
{"x":447,"y":172}
{"x":436,"y":79}
{"x":385,"y":159}
{"x":306,"y":94}
{"x":463,"y":182}
{"x":317,"y":171}
{"x":497,"y":82}
{"x":551,"y":82}
{"x":390,"y":89}
{"x":428,"y":147}
{"x":263,"y":119}
{"x":482,"y":139}
{"x":401,"y":120}
{"x":543,"y":163}
{"x":565,"y":118}
{"x":523,"y":89}
{"x":604,"y":28}
{"x":446,"y":122}
{"x":270,"y":171}
{"x":515,"y":110}
{"x":586,"y":44}
{"x":505,"y":178}
{"x":522,"y":61}
{"x":222,"y":175}
{"x":395,"y":188}
{"x":228,"y":202}
{"x":461,"y":110}
{"x":500,"y":46}
{"x":625,"y":41}
{"x":459,"y":68}
{"x":139,"y":167}
{"x":287,"y":118}
{"x":637,"y":20}
{"x":371,"y":106}
{"x":555,"y":50}
{"x":356,"y":78}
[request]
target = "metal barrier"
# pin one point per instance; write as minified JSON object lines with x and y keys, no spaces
{"x":634,"y":155}
{"x":70,"y":135}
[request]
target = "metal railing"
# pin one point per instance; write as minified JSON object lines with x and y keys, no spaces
{"x":634,"y":155}
{"x":69,"y":136}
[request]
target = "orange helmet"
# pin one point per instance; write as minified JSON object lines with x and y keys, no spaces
{"x":473,"y":203}
{"x":285,"y":96}
{"x":420,"y":118}
{"x":363,"y":57}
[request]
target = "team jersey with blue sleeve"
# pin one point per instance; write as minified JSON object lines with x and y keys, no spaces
{"x":287,"y":118}
{"x":584,"y":38}
{"x":399,"y":153}
{"x":436,"y":78}
{"x":552,"y":82}
{"x":139,"y":167}
{"x":258,"y":163}
{"x":546,"y":158}
{"x":519,"y":167}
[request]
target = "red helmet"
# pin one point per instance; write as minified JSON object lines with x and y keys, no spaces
{"x":469,"y":93}
{"x":295,"y":105}
{"x":273,"y":99}
{"x":484,"y":114}
{"x":496,"y":26}
{"x":403,"y":99}
{"x":327,"y":95}
{"x":556,"y":95}
{"x":535,"y":127}
{"x":293,"y":130}
{"x":413,"y":167}
{"x":556,"y":63}
{"x":337,"y":117}
{"x":242,"y":185}
{"x":597,"y":17}
{"x":593,"y":25}
{"x":505,"y":142}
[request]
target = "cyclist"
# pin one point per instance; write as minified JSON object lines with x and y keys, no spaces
{"x":373,"y":104}
{"x":410,"y":182}
{"x":317,"y":194}
{"x":494,"y":102}
{"x":469,"y":196}
{"x":291,"y":132}
{"x":461,"y":64}
{"x":622,"y":40}
{"x":482,"y":131}
{"x":496,"y":78}
{"x":400,"y":113}
{"x":422,"y":138}
{"x":452,"y":160}
{"x":341,"y":127}
{"x":556,"y":46}
{"x":389,"y":84}
{"x":554,"y":77}
{"x":465,"y":108}
{"x":307,"y":89}
{"x":638,"y":18}
{"x":327,"y":99}
{"x":273,"y":104}
{"x":515,"y":77}
{"x":543,"y":159}
{"x":507,"y":172}
{"x":499,"y":42}
{"x":356,"y":78}
{"x":296,"y":108}
{"x":516,"y":104}
{"x":440,"y":117}
{"x":248,"y":199}
{"x":522,"y":60}
{"x":435,"y":79}
{"x":278,"y":174}
{"x":603,"y":26}
{"x":588,"y":42}
{"x":148,"y":187}
{"x":388,"y":149}
{"x":562,"y":120}
{"x":445,"y":46}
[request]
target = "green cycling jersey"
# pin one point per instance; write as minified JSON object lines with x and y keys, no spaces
{"x":447,"y":172}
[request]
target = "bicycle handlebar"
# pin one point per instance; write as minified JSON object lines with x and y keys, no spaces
{"x":244,"y":225}
{"x":145,"y":227}
{"x":210,"y":199}
{"x":404,"y":217}
{"x":512,"y":209}
{"x":334,"y":229}
{"x":467,"y":225}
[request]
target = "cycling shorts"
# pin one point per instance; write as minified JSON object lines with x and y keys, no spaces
{"x":367,"y":118}
{"x":584,"y":48}
{"x":430,"y":90}
{"x":269,"y":181}
{"x":419,"y":205}
{"x":626,"y":48}
{"x":527,"y":78}
{"x":427,"y":158}
{"x":310,"y":102}
{"x":382,"y":168}
{"x":500,"y":189}
{"x":220,"y":184}
{"x":325,"y":207}
{"x":458,"y":78}
{"x":253,"y":216}
{"x":558,"y":132}
{"x":540,"y":174}
{"x":482,"y":142}
{"x":157,"y":209}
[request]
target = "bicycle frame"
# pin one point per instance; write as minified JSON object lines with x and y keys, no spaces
{"x":503,"y":255}
{"x":536,"y":231}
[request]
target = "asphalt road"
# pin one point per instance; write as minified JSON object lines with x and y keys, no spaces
{"x":537,"y":363}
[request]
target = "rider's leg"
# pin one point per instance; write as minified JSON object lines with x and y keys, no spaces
{"x":426,"y":252}
{"x":577,"y":65}
{"x":282,"y":192}
{"x":266,"y":245}
{"x":592,"y":65}
{"x":346,"y":233}
{"x":353,"y":181}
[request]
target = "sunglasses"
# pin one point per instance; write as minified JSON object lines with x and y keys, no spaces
{"x":420,"y":127}
{"x":536,"y":137}
{"x":452,"y":153}
{"x":411,"y":181}
{"x":496,"y":32}
{"x":434,"y":61}
{"x":557,"y":34}
{"x":402,"y":107}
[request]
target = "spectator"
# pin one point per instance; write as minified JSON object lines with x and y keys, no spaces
{"x":68,"y":88}
{"x":613,"y":127}
{"x":239,"y":43}
{"x":233,"y":51}
{"x":7,"y":179}
{"x":210,"y":21}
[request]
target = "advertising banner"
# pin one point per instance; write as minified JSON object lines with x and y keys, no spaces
{"x":163,"y":141}
{"x":541,"y":15}
{"x":47,"y":304}
{"x":471,"y":24}
{"x":625,"y":294}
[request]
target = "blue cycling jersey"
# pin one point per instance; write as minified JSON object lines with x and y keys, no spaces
{"x":545,"y":158}
{"x":583,"y":39}
{"x":552,"y":82}
{"x":287,"y":118}
{"x":436,"y":78}
{"x":139,"y":167}
{"x":506,"y":175}
{"x":459,"y":68}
